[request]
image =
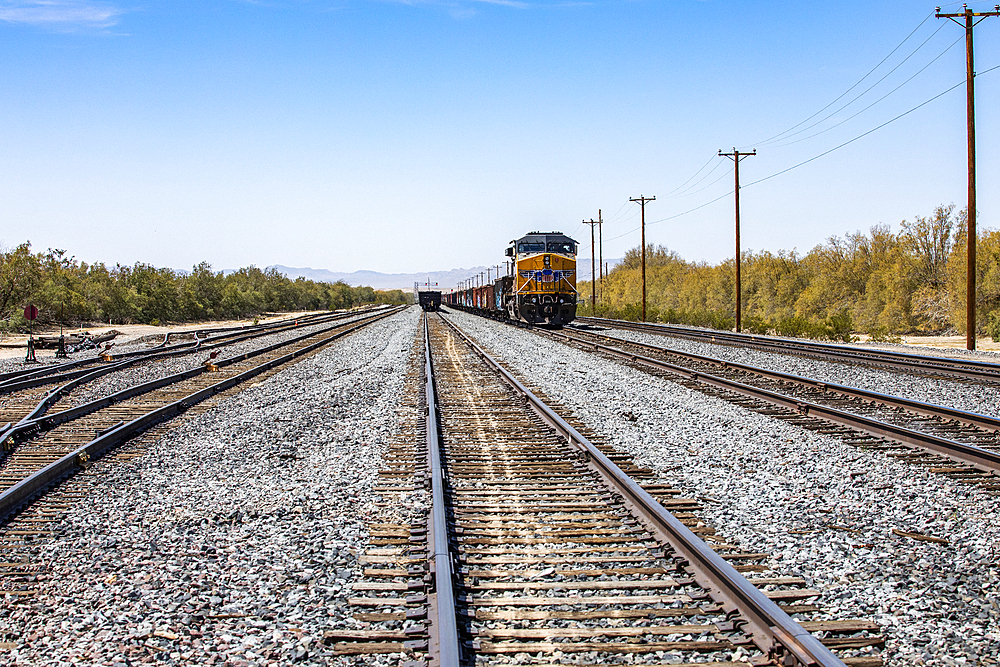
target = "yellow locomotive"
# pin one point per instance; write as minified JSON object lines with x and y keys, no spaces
{"x":543,"y":285}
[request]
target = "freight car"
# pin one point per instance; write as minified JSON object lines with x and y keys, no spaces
{"x":540,"y":287}
{"x":429,"y":300}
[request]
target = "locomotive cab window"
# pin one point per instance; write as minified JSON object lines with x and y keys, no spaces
{"x":525,"y":246}
{"x":562,"y":247}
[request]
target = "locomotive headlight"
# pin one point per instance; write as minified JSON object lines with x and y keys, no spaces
{"x":534,"y":299}
{"x":547,"y":260}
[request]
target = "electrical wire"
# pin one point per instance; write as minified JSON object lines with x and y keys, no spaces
{"x":689,"y":190}
{"x":812,"y":159}
{"x":860,"y":136}
{"x":859,"y":82}
{"x":692,"y":177}
{"x":867,"y":90}
{"x":855,"y":115}
{"x":708,"y":203}
{"x":706,"y":187}
{"x":612,"y":218}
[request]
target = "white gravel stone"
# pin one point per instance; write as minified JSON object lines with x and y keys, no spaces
{"x":234,"y":539}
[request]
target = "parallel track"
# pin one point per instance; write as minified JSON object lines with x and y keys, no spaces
{"x":968,"y":369}
{"x":971,"y":441}
{"x":53,"y":448}
{"x":70,"y":369}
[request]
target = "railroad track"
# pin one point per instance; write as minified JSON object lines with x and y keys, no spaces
{"x":923,"y":365}
{"x":29,"y":398}
{"x":541,"y":542}
{"x":21,"y":392}
{"x":45,"y":451}
{"x":960,"y":444}
{"x":70,"y":369}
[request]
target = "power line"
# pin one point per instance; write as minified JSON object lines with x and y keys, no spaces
{"x":706,"y":187}
{"x":856,"y":114}
{"x":804,"y":162}
{"x":841,"y":96}
{"x":693,"y":175}
{"x":860,"y":136}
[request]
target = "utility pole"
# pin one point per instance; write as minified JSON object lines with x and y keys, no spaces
{"x":970,"y":110}
{"x":593,"y":269}
{"x":736,"y":156}
{"x":642,"y":202}
{"x":600,"y":241}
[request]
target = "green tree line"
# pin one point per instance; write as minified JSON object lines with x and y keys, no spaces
{"x":878,"y":282}
{"x":73,"y":292}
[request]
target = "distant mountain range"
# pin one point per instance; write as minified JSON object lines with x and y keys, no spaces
{"x":386,"y":281}
{"x":382,"y":281}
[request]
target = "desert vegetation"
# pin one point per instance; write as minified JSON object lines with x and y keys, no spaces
{"x":880,"y":283}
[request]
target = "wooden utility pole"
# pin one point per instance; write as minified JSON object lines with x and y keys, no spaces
{"x":970,"y":111}
{"x":736,"y":156}
{"x":642,"y":202}
{"x":600,"y":242}
{"x":593,"y":270}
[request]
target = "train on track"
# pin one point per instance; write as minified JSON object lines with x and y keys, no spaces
{"x":540,"y":285}
{"x":429,"y":300}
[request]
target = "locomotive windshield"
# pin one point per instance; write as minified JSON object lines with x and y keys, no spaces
{"x":528,"y":246}
{"x":563,"y":247}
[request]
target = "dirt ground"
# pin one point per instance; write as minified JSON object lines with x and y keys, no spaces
{"x":15,"y":346}
{"x":943,"y":343}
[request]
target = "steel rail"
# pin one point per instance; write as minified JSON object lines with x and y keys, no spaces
{"x":39,"y":377}
{"x":772,"y":630}
{"x":35,"y":422}
{"x":983,"y":459}
{"x":17,"y":496}
{"x":444,"y":645}
{"x":920,"y":407}
{"x":969,"y":369}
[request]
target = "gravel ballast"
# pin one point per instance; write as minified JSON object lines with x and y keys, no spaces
{"x":823,"y":509}
{"x":961,"y":395}
{"x":234,"y":539}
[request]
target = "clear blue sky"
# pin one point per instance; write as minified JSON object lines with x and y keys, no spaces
{"x":424,"y":135}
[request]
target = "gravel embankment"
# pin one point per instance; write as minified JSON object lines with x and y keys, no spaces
{"x":234,"y":539}
{"x":960,"y":395}
{"x":763,"y":478}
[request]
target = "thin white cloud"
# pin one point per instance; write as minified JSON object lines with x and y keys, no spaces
{"x":60,"y":14}
{"x":506,"y":3}
{"x":464,"y":7}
